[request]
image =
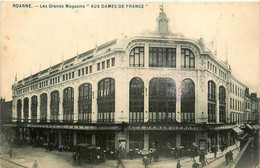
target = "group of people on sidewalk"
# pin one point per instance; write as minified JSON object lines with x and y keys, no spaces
{"x":229,"y":157}
{"x":202,"y":160}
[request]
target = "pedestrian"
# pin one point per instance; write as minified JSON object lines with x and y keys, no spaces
{"x":78,"y":159}
{"x":74,"y":155}
{"x":178,"y":164}
{"x":195,"y":164}
{"x":193,"y":155}
{"x":35,"y":165}
{"x":203,"y":159}
{"x":230,"y":156}
{"x":226,"y":158}
{"x":156,"y":155}
{"x":215,"y":151}
{"x":10,"y":152}
{"x":145,"y":161}
{"x":119,"y":160}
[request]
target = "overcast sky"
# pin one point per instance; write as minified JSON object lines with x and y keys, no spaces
{"x":35,"y":38}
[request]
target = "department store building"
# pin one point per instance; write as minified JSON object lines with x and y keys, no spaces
{"x":157,"y":88}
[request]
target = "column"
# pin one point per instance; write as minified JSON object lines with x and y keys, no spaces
{"x":121,"y":98}
{"x":22,"y":111}
{"x":38,"y":109}
{"x":178,"y":139}
{"x":60,"y":137}
{"x":178,"y":56}
{"x":76,"y":111}
{"x":48,"y":136}
{"x":146,"y":55}
{"x":146,"y":141}
{"x":94,"y":101}
{"x":29,"y":110}
{"x":93,"y":138}
{"x":218,"y":139}
{"x":178,"y":101}
{"x":74,"y":138}
{"x":61,"y":106}
{"x":48,"y":107}
{"x":146,"y":100}
{"x":14,"y":110}
{"x":217,"y":105}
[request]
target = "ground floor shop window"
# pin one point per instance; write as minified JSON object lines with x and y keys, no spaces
{"x":67,"y":138}
{"x":136,"y":140}
{"x":187,"y":139}
{"x":84,"y":137}
{"x":105,"y":140}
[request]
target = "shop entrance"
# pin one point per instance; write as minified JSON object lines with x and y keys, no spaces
{"x":162,"y":141}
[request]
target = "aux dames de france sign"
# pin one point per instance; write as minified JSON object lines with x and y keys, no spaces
{"x":164,"y":127}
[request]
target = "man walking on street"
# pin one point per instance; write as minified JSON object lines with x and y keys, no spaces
{"x":178,"y":164}
{"x":230,"y":156}
{"x":10,"y":152}
{"x":195,"y":164}
{"x":227,"y":157}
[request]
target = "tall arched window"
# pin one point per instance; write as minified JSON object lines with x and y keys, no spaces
{"x":187,"y":101}
{"x":34,"y":109}
{"x":162,"y":100}
{"x":26,"y":109}
{"x":19,"y":109}
{"x":106,"y":100}
{"x":68,"y":104}
{"x":222,"y":104}
{"x":136,"y":107}
{"x":55,"y":100}
{"x":187,"y":58}
{"x":211,"y":102}
{"x":43,"y":107}
{"x":137,"y":57}
{"x":85,"y":102}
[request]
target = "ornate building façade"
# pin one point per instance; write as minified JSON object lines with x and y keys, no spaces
{"x":156,"y":88}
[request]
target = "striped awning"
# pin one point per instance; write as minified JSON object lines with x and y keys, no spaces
{"x":238,"y":130}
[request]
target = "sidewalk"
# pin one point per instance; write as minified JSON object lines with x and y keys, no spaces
{"x":53,"y":159}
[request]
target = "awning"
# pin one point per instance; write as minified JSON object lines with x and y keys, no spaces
{"x":256,"y":127}
{"x":249,"y":126}
{"x":238,"y":130}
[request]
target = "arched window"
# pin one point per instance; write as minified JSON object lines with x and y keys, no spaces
{"x":136,"y":107}
{"x":187,"y":58}
{"x":85,"y":102}
{"x":55,"y":100}
{"x":162,"y":100}
{"x":106,"y":100}
{"x":34,"y":109}
{"x":68,"y":104}
{"x":211,"y":102}
{"x":187,"y":101}
{"x":162,"y":57}
{"x":43,"y":107}
{"x":19,"y":109}
{"x":222,"y":104}
{"x":26,"y":109}
{"x":137,"y":57}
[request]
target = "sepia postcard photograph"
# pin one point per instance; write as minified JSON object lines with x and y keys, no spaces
{"x":86,"y":84}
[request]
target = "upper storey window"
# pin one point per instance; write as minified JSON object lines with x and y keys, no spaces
{"x":137,"y":57}
{"x":162,"y":57}
{"x":187,"y":58}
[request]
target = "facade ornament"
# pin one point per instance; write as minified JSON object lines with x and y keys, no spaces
{"x":162,"y":23}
